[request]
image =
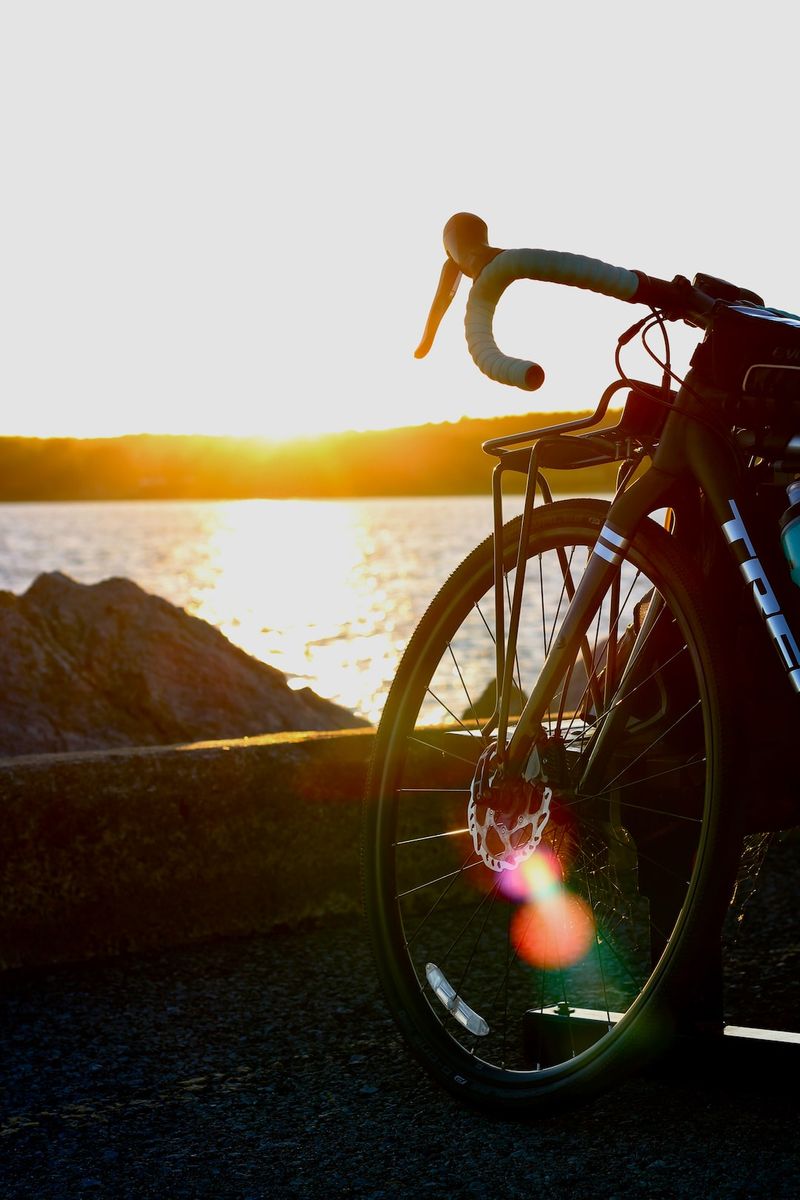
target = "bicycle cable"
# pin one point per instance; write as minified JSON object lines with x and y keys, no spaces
{"x":656,"y":317}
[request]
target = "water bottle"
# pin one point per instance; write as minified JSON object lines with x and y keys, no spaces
{"x":790,"y":530}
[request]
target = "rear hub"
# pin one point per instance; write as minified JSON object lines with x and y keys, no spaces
{"x":506,"y":817}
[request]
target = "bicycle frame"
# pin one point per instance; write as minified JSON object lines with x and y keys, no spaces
{"x":688,"y":448}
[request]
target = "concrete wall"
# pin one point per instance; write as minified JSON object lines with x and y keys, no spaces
{"x":107,"y":852}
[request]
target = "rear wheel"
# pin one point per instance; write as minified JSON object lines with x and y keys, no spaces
{"x":535,"y":941}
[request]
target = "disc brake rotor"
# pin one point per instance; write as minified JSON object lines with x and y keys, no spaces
{"x":506,"y":818}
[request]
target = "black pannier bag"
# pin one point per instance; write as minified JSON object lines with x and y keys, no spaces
{"x":753,"y":355}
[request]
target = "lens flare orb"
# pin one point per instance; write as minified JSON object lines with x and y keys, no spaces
{"x":552,"y":928}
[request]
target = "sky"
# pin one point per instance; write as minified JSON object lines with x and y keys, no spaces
{"x":226,"y":217}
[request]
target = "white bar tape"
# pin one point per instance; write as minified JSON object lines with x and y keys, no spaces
{"x":549,"y":266}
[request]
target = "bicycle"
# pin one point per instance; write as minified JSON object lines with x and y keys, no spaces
{"x":565,"y":767}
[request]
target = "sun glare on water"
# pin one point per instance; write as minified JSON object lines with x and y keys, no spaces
{"x":314,"y":608}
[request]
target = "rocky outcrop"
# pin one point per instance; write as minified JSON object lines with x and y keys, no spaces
{"x":89,"y":667}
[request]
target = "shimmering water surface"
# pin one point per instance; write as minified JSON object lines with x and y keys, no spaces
{"x":327,"y":591}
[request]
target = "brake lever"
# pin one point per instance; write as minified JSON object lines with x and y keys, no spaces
{"x":447,"y":288}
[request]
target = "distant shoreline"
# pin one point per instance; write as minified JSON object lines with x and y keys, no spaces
{"x":426,"y":461}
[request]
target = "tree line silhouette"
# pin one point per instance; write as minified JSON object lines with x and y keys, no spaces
{"x":434,"y":459}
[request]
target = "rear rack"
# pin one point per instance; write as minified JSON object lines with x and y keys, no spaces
{"x":557,"y":446}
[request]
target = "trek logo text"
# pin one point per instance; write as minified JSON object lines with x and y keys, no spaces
{"x":764,"y":596}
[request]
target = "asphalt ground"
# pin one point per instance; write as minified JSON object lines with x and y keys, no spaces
{"x":268,"y":1066}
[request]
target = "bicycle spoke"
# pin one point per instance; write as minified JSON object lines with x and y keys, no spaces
{"x":470,"y":705}
{"x":450,"y":713}
{"x":439,"y":879}
{"x":431,"y":837}
{"x":612,"y":782}
{"x":440,"y":750}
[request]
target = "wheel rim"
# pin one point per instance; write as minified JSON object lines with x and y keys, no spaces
{"x":529,"y":973}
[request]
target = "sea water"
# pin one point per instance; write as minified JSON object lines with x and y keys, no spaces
{"x":328,"y":591}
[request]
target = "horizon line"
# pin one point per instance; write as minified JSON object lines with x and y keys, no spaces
{"x":286,"y":439}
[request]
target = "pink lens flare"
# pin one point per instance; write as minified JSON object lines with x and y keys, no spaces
{"x":539,"y":877}
{"x":552,"y":932}
{"x":552,"y":928}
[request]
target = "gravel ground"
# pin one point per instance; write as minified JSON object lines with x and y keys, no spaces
{"x":267,"y":1066}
